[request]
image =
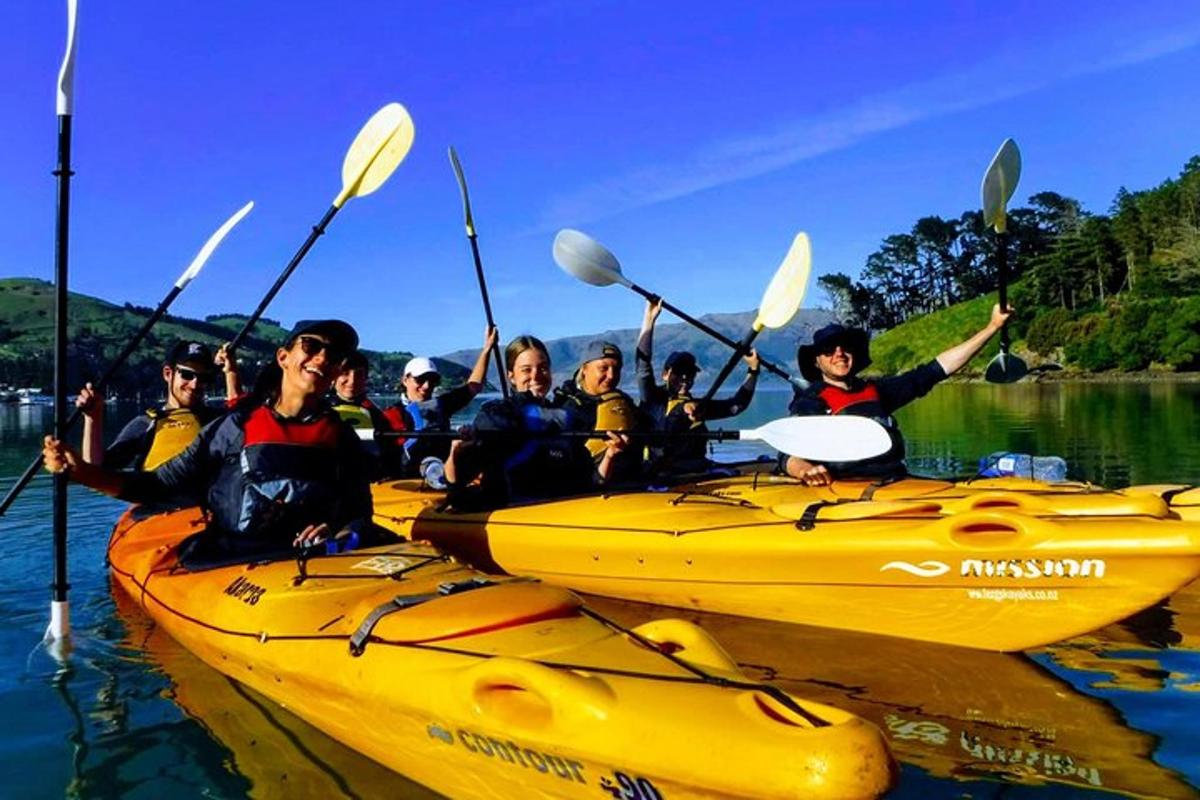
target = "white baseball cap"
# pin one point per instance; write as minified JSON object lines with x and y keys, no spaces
{"x":419,"y":366}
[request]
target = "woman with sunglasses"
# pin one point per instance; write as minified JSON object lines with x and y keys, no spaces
{"x":279,"y":471}
{"x":510,"y":452}
{"x":163,"y":432}
{"x":421,"y":409}
{"x":831,"y":363}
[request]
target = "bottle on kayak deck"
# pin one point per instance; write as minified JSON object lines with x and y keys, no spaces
{"x":1050,"y":469}
{"x":433,"y":472}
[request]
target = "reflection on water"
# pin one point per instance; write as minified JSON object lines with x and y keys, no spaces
{"x":1113,"y":712}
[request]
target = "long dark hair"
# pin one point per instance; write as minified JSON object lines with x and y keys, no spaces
{"x":267,"y":384}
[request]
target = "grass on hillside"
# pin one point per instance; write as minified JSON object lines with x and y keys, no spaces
{"x":918,"y":340}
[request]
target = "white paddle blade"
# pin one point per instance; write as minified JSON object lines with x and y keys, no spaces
{"x":66,"y":73}
{"x":999,"y":183}
{"x":207,"y":250}
{"x":824,"y":438}
{"x":588,"y":260}
{"x":785,"y":292}
{"x":376,"y":152}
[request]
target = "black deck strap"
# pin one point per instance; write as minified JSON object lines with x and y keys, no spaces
{"x":808,"y":520}
{"x":358,"y":641}
{"x":1169,"y":494}
{"x":874,"y":486}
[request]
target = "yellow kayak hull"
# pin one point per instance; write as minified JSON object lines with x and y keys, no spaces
{"x":995,"y":565}
{"x":509,"y":689}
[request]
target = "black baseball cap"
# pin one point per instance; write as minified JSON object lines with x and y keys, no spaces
{"x":681,"y":361}
{"x":190,"y":352}
{"x":340,"y":334}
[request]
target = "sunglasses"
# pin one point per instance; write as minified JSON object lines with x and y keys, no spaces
{"x":188,"y":375}
{"x":432,"y":378}
{"x":311,"y":345}
{"x":830,"y":349}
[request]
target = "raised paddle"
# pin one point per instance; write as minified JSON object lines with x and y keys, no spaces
{"x":191,"y":272}
{"x":591,"y":262}
{"x":820,"y":438}
{"x":474,"y":239}
{"x":780,"y":302}
{"x":373,"y":156}
{"x":59,"y":630}
{"x":999,"y":183}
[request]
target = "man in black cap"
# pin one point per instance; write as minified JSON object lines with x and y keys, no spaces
{"x":280,"y":470}
{"x":160,"y":434}
{"x":671,"y":407}
{"x":831,"y":364}
{"x":592,"y":393}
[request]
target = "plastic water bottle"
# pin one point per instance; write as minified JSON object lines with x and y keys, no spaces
{"x":433,"y":472}
{"x":1050,"y":469}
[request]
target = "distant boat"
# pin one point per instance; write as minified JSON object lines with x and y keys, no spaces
{"x":33,"y":397}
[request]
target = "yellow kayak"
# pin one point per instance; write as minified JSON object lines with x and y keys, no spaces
{"x":1003,"y":564}
{"x":480,"y":687}
{"x":964,"y":714}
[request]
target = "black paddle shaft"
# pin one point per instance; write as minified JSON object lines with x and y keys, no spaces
{"x":739,"y":350}
{"x":713,"y":332}
{"x":1002,"y":274}
{"x":63,"y":172}
{"x":487,"y":311}
{"x":719,"y":435}
{"x":317,"y":230}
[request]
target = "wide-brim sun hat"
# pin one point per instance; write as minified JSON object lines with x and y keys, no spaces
{"x":854,"y":341}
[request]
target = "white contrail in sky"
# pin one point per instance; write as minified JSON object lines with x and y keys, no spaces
{"x":996,"y":79}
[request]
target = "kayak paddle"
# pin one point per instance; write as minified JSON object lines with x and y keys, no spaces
{"x":780,"y":302}
{"x":373,"y":156}
{"x":999,"y":183}
{"x":191,"y":272}
{"x":591,"y":262}
{"x":474,"y":238}
{"x":820,"y":438}
{"x":59,"y":631}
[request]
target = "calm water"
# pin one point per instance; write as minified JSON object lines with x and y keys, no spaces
{"x":133,"y":715}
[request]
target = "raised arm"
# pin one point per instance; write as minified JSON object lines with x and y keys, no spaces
{"x":227,"y":361}
{"x":92,"y":405}
{"x":644,"y":354}
{"x":478,"y":376}
{"x":956,"y":357}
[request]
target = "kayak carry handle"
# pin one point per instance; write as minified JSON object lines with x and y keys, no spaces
{"x":988,"y":528}
{"x":687,"y":641}
{"x":529,"y":695}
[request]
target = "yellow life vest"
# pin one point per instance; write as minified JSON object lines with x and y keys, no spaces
{"x":615,"y":411}
{"x":174,"y":430}
{"x":355,"y":415}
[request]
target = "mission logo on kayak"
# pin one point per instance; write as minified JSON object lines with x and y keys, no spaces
{"x":1006,"y":568}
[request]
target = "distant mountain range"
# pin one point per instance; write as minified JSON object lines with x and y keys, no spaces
{"x":778,"y":346}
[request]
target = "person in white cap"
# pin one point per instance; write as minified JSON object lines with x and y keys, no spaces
{"x":421,"y":409}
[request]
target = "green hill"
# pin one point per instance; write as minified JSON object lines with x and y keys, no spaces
{"x":914,"y":342}
{"x":98,"y":330}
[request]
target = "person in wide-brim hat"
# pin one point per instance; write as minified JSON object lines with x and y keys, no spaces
{"x":832,"y":361}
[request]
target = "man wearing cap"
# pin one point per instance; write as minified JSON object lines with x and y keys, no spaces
{"x":161,"y":433}
{"x":831,"y":364}
{"x":592,"y":393}
{"x":280,"y":470}
{"x":671,"y":407}
{"x":420,"y":409}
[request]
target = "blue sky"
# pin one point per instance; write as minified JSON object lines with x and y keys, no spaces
{"x":694,"y":139}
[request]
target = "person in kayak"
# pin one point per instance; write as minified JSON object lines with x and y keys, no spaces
{"x":592,"y":394}
{"x":279,"y":471}
{"x":421,"y":409}
{"x":510,"y":452}
{"x":163,"y":432}
{"x":351,"y":403}
{"x":671,"y":407}
{"x":831,"y":363}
